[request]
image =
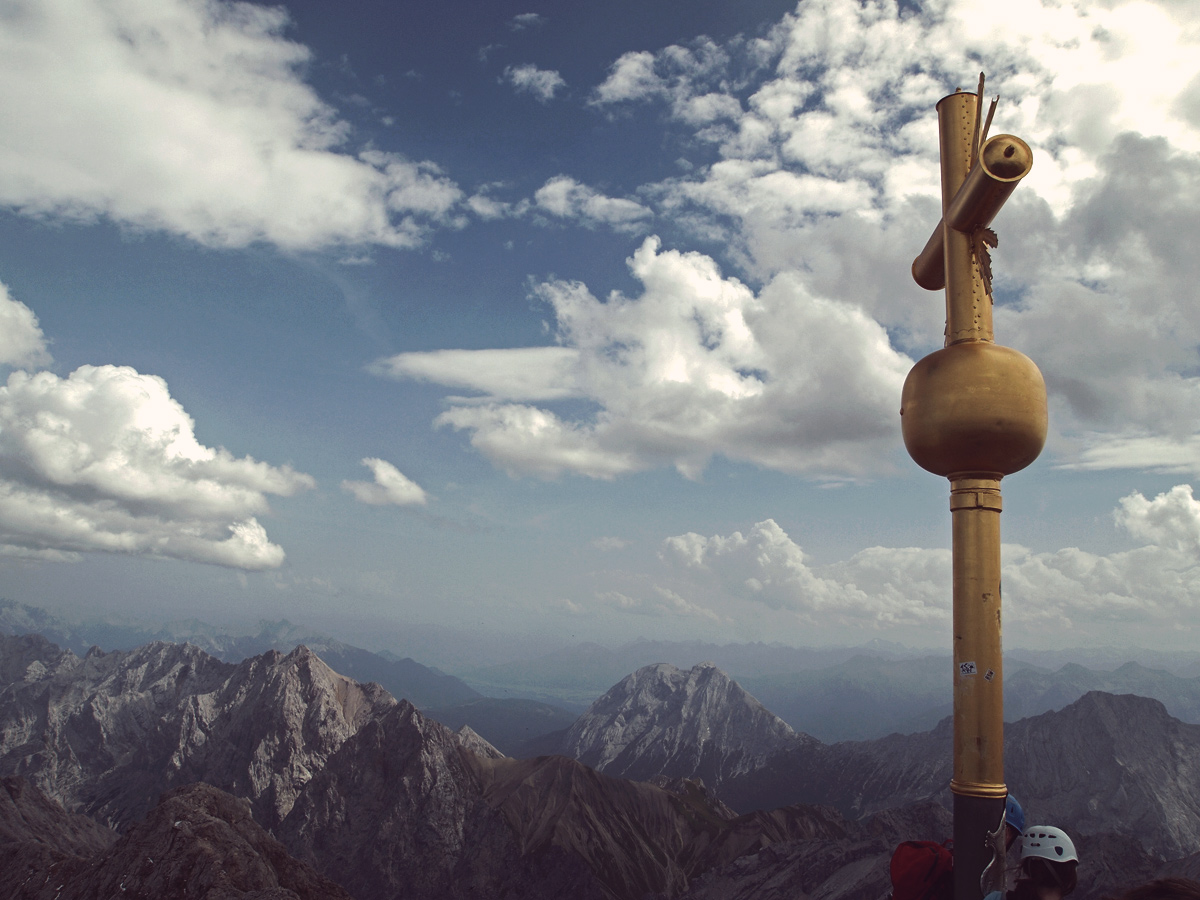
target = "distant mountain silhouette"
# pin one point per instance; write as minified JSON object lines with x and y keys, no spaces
{"x":832,"y":693}
{"x":868,"y":697}
{"x":577,"y":675}
{"x":860,"y":698}
{"x":402,"y":678}
{"x":509,"y":725}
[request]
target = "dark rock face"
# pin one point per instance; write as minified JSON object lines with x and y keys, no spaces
{"x":1106,"y":763}
{"x":664,"y":721}
{"x":857,"y":778}
{"x":37,"y":835}
{"x":1111,"y":863}
{"x":270,"y":726}
{"x":852,"y":866}
{"x":629,"y":834}
{"x":198,"y":842}
{"x":1188,"y":867}
{"x":638,"y":839}
{"x":398,"y":810}
{"x":1113,"y":763}
{"x":108,"y":733}
{"x":404,"y":808}
{"x":29,"y":816}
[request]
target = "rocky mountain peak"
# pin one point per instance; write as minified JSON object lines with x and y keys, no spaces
{"x":30,"y":657}
{"x":1113,"y":762}
{"x":662,"y":720}
{"x":469,"y":739}
{"x":107,"y":734}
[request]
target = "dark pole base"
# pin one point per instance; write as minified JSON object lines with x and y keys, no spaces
{"x":974,"y":817}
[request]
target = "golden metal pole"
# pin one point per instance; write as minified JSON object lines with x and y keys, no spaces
{"x":975,"y":507}
{"x":973,"y":412}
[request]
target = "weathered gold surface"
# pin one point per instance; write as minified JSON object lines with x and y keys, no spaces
{"x":973,"y":412}
{"x":974,"y":407}
{"x":978,"y":666}
{"x":929,"y":268}
{"x":1004,"y":161}
{"x":968,"y":306}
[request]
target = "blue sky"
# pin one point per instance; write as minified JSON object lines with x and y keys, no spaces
{"x":587,"y":321}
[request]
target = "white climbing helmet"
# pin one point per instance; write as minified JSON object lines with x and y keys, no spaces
{"x":1047,"y":842}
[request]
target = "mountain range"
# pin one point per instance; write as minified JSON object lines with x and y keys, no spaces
{"x":1120,"y":763}
{"x":315,"y":784}
{"x":870,"y":696}
{"x":831,"y":693}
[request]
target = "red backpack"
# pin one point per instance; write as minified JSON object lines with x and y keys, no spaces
{"x":923,"y":870}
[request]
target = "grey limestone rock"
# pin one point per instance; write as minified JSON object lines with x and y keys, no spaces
{"x":664,"y":721}
{"x":108,"y":733}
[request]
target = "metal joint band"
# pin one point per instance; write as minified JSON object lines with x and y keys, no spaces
{"x":978,"y":789}
{"x":976,"y":500}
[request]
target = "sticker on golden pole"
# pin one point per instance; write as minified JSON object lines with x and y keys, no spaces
{"x":973,"y":412}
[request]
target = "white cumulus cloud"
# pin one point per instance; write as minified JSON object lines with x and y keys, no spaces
{"x":528,"y":78}
{"x":194,"y":118}
{"x":1170,"y":520}
{"x":21,"y":340}
{"x":106,"y":460}
{"x":697,"y":365}
{"x":566,"y":198}
{"x":818,"y":172}
{"x":631,"y":77}
{"x":390,"y":487}
{"x":691,"y":79}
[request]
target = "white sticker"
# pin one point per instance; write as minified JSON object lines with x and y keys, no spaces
{"x":989,"y":674}
{"x":967,"y":668}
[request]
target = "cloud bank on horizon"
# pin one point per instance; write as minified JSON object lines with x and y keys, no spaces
{"x":818,"y":177}
{"x":908,"y":586}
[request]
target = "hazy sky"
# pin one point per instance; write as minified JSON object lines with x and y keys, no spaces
{"x":588,"y":320}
